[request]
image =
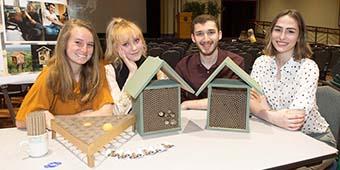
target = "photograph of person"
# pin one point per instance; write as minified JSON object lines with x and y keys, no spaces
{"x":73,"y":84}
{"x":31,"y":21}
{"x":53,"y":17}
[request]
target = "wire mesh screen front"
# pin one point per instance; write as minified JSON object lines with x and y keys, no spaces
{"x":160,"y":109}
{"x":228,"y":108}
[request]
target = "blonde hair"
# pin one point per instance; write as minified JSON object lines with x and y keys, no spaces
{"x":117,"y":30}
{"x":60,"y":78}
{"x":30,"y":6}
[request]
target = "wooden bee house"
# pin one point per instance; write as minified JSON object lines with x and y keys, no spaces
{"x":228,"y":100}
{"x":157,"y":103}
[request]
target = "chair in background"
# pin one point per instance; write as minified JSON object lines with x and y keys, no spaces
{"x":155,"y":51}
{"x":336,"y":68}
{"x":322,"y":58}
{"x":236,"y":51}
{"x":228,"y":47}
{"x":12,"y":95}
{"x":172,"y":57}
{"x":168,"y":43}
{"x":152,"y":44}
{"x":184,"y":45}
{"x":254,"y":52}
{"x":335,"y":53}
{"x":248,"y":61}
{"x":328,"y":101}
{"x":179,"y":49}
{"x":164,"y":46}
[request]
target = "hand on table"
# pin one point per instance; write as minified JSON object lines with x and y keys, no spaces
{"x":291,"y":119}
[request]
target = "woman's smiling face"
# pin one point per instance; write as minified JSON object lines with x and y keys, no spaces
{"x":285,"y":34}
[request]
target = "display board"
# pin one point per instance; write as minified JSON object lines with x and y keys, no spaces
{"x":29,"y":32}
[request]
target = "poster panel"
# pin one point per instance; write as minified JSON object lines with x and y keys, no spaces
{"x":33,"y":22}
{"x":27,"y":58}
{"x":19,"y":58}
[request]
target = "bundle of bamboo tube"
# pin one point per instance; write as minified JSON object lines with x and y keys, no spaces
{"x":36,"y":123}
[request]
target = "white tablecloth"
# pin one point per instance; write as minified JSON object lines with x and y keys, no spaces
{"x":196,"y":148}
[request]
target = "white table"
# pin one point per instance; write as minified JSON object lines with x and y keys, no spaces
{"x":196,"y":148}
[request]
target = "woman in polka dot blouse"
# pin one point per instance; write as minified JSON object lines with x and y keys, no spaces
{"x":289,"y":80}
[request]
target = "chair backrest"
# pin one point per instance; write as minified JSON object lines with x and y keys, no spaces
{"x":236,"y":51}
{"x":172,"y":57}
{"x":336,"y":69}
{"x":248,"y":61}
{"x":164,"y":46}
{"x":322,"y":58}
{"x":328,"y":101}
{"x":184,"y":45}
{"x":156,"y":51}
{"x":179,"y":49}
{"x":152,"y":44}
{"x":335,"y":53}
{"x":13,"y":90}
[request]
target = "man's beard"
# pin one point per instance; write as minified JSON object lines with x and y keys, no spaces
{"x":207,"y":54}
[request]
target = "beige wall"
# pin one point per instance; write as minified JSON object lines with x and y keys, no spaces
{"x":169,"y":11}
{"x":167,"y":17}
{"x":102,"y":11}
{"x":321,"y":13}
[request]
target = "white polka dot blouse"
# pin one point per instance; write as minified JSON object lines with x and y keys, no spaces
{"x":296,"y":88}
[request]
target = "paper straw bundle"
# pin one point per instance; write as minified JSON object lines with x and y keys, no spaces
{"x":36,"y":123}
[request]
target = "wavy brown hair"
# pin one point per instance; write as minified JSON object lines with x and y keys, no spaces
{"x":302,"y":48}
{"x":117,"y":30}
{"x":60,"y":79}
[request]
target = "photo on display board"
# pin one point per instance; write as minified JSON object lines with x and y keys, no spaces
{"x":19,"y":58}
{"x":41,"y":54}
{"x":33,"y":21}
{"x":27,"y":58}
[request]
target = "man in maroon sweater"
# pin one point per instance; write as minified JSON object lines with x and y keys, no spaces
{"x":196,"y":68}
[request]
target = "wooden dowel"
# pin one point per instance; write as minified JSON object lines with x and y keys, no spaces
{"x":36,"y":123}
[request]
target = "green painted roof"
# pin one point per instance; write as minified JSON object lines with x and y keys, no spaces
{"x":144,"y":74}
{"x":236,"y":69}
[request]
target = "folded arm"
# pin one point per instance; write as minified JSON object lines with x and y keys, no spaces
{"x":290,"y":119}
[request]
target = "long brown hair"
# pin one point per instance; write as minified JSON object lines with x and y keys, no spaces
{"x":60,"y":79}
{"x":115,"y":31}
{"x":302,"y":48}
